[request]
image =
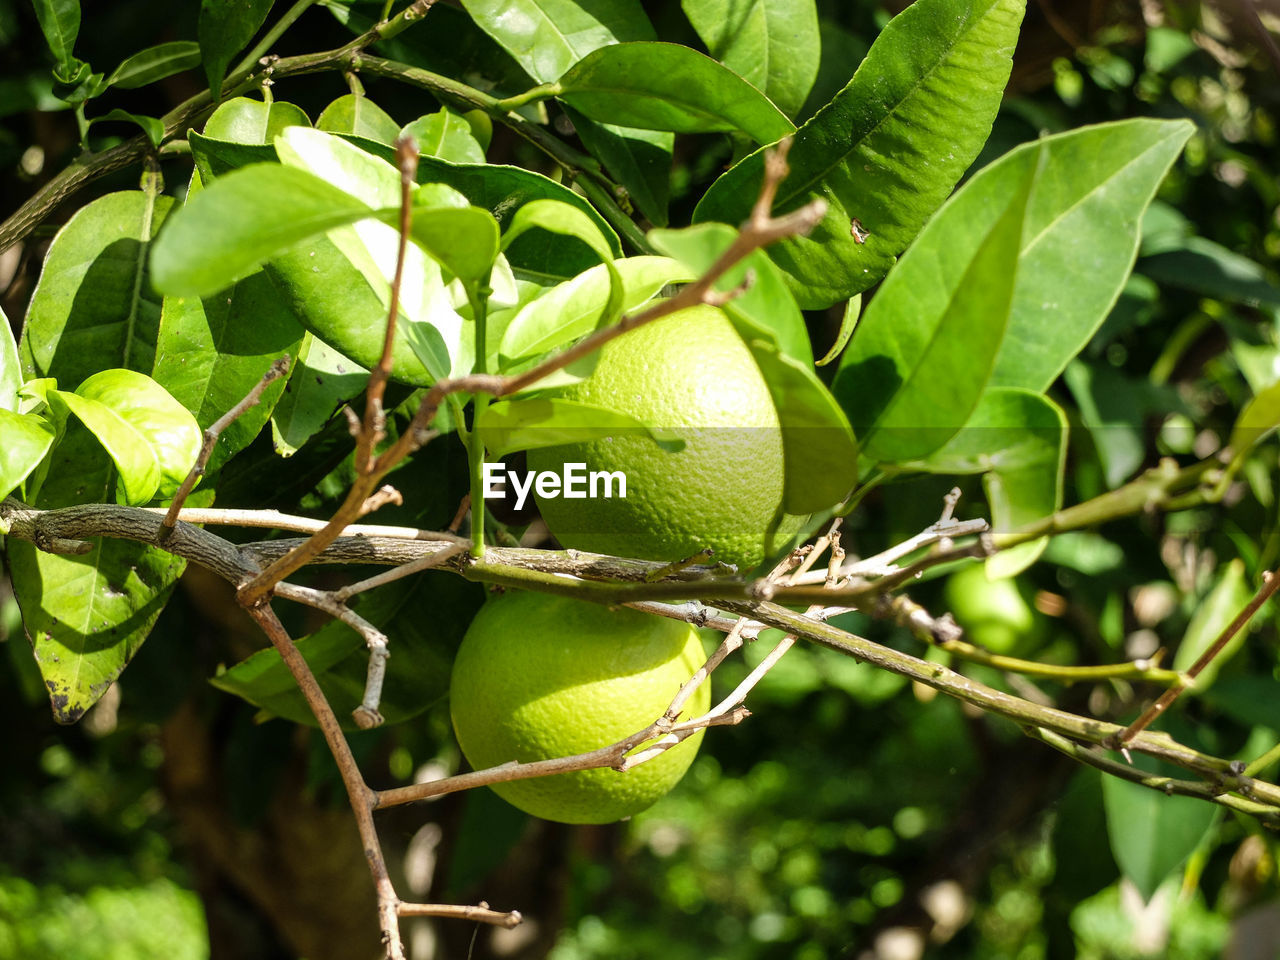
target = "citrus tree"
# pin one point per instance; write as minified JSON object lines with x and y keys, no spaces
{"x":596,"y":334}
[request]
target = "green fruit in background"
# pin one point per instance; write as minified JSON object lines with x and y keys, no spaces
{"x":538,"y":677}
{"x":691,"y":374}
{"x":994,"y":613}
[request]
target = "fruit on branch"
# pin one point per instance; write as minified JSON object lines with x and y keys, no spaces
{"x":539,"y":677}
{"x":994,"y":613}
{"x":689,"y":374}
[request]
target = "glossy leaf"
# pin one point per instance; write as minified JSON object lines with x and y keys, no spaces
{"x":573,"y":309}
{"x":465,"y":240}
{"x":212,"y":352}
{"x":1259,"y":417}
{"x":532,"y":422}
{"x":242,"y":219}
{"x":773,"y":44}
{"x":446,"y":135}
{"x":24,"y":441}
{"x":1152,"y":834}
{"x":10,"y":368}
{"x":1018,"y":441}
{"x":135,"y":461}
{"x":547,"y":37}
{"x":244,"y":120}
{"x":321,"y":381}
{"x":888,"y":149}
{"x":639,"y":160}
{"x":358,"y":115}
{"x":1228,"y":596}
{"x":60,"y":23}
{"x":224,"y":29}
{"x":155,"y":63}
{"x":665,"y":86}
{"x":927,"y":345}
{"x":94,"y":306}
{"x":556,"y":216}
{"x":765,"y":308}
{"x":848,"y":323}
{"x":819,"y":449}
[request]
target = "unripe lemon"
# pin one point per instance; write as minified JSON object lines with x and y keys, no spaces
{"x":690,"y":374}
{"x":539,"y":677}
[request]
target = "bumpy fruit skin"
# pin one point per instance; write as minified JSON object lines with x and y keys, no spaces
{"x":538,"y":677}
{"x":692,"y":374}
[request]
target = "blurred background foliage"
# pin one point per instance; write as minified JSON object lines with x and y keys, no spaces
{"x":853,"y":816}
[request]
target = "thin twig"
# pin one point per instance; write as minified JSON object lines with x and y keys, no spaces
{"x":1270,"y":583}
{"x":275,"y":520}
{"x":211,"y":434}
{"x":481,"y":913}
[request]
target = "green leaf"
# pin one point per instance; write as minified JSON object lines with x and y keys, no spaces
{"x":59,"y":22}
{"x":927,"y":345}
{"x":24,"y":441}
{"x":1228,"y":596}
{"x":573,"y":309}
{"x":819,"y":449}
{"x":94,"y":306}
{"x":224,"y":29}
{"x":1152,"y":834}
{"x":1208,"y":268}
{"x":242,"y":120}
{"x":359,"y":116}
{"x":242,"y":219}
{"x":1018,"y":441}
{"x":556,"y":216}
{"x":464,"y":239}
{"x":446,"y":135}
{"x":532,"y":422}
{"x":1259,"y":417}
{"x":212,"y":352}
{"x":547,"y":37}
{"x":848,"y":323}
{"x":153,"y":127}
{"x":135,"y":461}
{"x":10,"y":367}
{"x":1080,"y":238}
{"x":665,"y":86}
{"x":888,"y":149}
{"x":155,"y":63}
{"x":773,"y":44}
{"x":765,"y":309}
{"x":639,"y":160}
{"x":321,"y":381}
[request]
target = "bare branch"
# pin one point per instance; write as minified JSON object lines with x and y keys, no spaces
{"x":481,"y":913}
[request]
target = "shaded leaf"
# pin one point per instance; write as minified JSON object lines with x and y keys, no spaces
{"x":1208,"y":268}
{"x":848,"y":323}
{"x":463,"y":239}
{"x":773,"y":44}
{"x":94,"y":306}
{"x":927,"y":345}
{"x":135,"y":461}
{"x":666,"y":86}
{"x":60,"y":23}
{"x":765,"y":308}
{"x":224,"y":29}
{"x":153,"y":127}
{"x":639,"y":160}
{"x":888,"y":149}
{"x":24,"y":441}
{"x":1259,"y":417}
{"x":212,"y":352}
{"x":321,"y":381}
{"x":1228,"y":596}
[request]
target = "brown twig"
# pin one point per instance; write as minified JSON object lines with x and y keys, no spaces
{"x":211,"y":434}
{"x":481,"y":913}
{"x":1270,"y":583}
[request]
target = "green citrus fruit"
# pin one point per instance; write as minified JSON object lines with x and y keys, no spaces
{"x":691,"y":374}
{"x":539,"y":677}
{"x":994,"y":613}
